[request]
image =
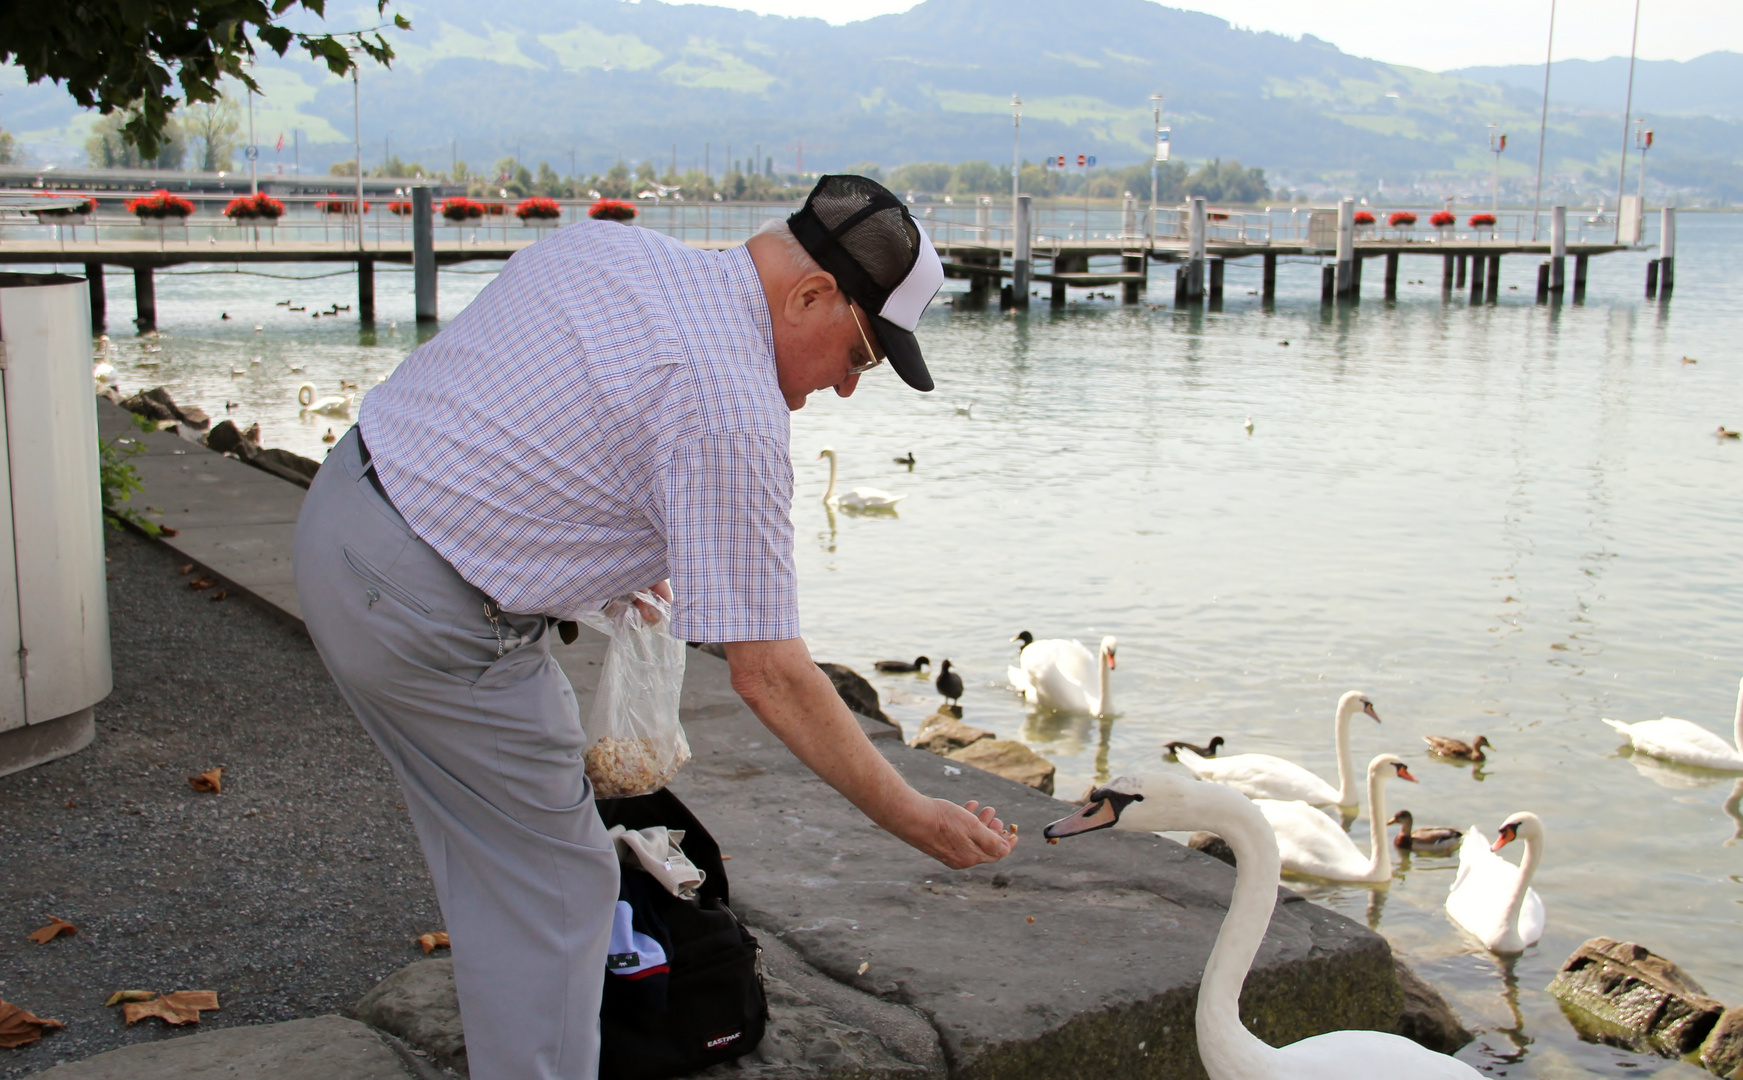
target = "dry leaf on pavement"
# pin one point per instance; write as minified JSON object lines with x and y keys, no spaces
{"x":181,"y":1007}
{"x":165,"y":530}
{"x":20,"y":1027}
{"x":201,"y":582}
{"x":432,"y":942}
{"x":212,"y":781}
{"x":186,"y":569}
{"x":55,"y":928}
{"x":219,"y":595}
{"x":129,"y":995}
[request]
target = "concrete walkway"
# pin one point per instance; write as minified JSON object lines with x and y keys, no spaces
{"x":1067,"y":961}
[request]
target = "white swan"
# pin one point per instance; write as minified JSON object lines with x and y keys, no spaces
{"x":1064,"y":675}
{"x":1313,"y":844}
{"x":1261,"y":776}
{"x":859,"y":498}
{"x":1689,"y":744}
{"x":1228,"y":1050}
{"x":1491,"y":897}
{"x":327,"y":406}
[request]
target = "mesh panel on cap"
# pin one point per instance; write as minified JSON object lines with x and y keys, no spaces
{"x":884,"y":244}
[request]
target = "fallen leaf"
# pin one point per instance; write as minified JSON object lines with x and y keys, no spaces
{"x":863,"y":968}
{"x":1031,"y":918}
{"x":432,"y":942}
{"x":20,"y":1027}
{"x":71,"y":805}
{"x":209,"y":781}
{"x":726,"y":858}
{"x":181,"y":1007}
{"x":187,"y":568}
{"x":219,"y":595}
{"x":55,"y":928}
{"x":1052,"y":840}
{"x":165,"y":530}
{"x":201,"y":582}
{"x":129,"y":995}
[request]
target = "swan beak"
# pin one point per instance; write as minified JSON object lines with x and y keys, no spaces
{"x":1097,"y":814}
{"x":1112,"y":664}
{"x":1506,"y":837}
{"x":1368,"y":707}
{"x":1404,"y":774}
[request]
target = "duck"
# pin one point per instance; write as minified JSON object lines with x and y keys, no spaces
{"x":859,"y":498}
{"x":101,"y":370}
{"x":1686,"y":743}
{"x":1726,"y":433}
{"x":1316,"y":846}
{"x":1173,"y":803}
{"x":1207,"y":751}
{"x":900,"y":667}
{"x":1064,"y":675}
{"x":1491,"y":898}
{"x":327,"y":406}
{"x":949,"y":683}
{"x":908,"y":461}
{"x":1432,"y":841}
{"x":329,"y":437}
{"x":1262,"y":776}
{"x":1249,"y":425}
{"x":1456,"y":748}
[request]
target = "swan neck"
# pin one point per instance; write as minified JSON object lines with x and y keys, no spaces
{"x":1229,"y":1051}
{"x":1379,"y":851}
{"x":1346,"y":768}
{"x":829,"y":493}
{"x":1737,"y":725}
{"x":1527,"y":869}
{"x":1104,"y":703}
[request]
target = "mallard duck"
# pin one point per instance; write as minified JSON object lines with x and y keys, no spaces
{"x":1455,"y":748}
{"x":1435,"y":841}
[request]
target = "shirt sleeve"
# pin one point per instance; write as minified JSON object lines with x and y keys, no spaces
{"x":729,"y":540}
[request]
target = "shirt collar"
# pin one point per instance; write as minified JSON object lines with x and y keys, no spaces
{"x":747,"y":285}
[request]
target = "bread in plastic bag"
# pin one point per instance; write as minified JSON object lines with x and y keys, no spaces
{"x":635,"y":744}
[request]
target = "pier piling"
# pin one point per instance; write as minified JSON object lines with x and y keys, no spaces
{"x":1356,"y":262}
{"x":1268,"y":283}
{"x":1134,"y":264}
{"x":99,"y":300}
{"x":1195,"y":251}
{"x":1667,"y":252}
{"x":1494,"y":284}
{"x":1543,"y":282}
{"x":144,"y":299}
{"x":1446,"y":273}
{"x":1346,"y":264}
{"x":366,"y":290}
{"x":1652,"y":279}
{"x":1179,"y":284}
{"x":1557,"y":249}
{"x":1392,"y":275}
{"x":1216,"y":280}
{"x":424,"y":253}
{"x":1478,"y":263}
{"x":1460,"y":283}
{"x":1021,"y":257}
{"x":1580,"y":278}
{"x":1328,"y":283}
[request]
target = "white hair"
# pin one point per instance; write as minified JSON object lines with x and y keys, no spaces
{"x":802,"y":262}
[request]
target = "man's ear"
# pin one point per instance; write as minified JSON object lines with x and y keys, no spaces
{"x":808,"y":293}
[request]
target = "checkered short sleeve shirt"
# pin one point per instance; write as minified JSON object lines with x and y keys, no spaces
{"x":603,"y":416}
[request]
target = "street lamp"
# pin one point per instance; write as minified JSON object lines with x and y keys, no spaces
{"x":1497,"y":143}
{"x":1016,"y":160}
{"x":1642,"y":143}
{"x":1156,"y":163}
{"x":357,"y":143}
{"x":253,"y":152}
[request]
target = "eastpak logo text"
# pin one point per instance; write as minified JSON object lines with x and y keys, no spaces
{"x":719,"y":1041}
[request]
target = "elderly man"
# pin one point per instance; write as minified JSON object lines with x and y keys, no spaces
{"x":610,"y":413}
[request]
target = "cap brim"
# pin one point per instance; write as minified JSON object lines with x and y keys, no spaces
{"x":902,"y":350}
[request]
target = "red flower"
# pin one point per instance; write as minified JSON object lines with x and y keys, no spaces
{"x":1482,"y":221}
{"x":459,"y":208}
{"x":1401,"y":218}
{"x":1364,"y":218}
{"x":539,"y":208}
{"x":248,"y":207}
{"x":493,"y":209}
{"x":342,"y":206}
{"x":612,"y":210}
{"x":160,"y":204}
{"x":1443,"y":218}
{"x":400,"y":209}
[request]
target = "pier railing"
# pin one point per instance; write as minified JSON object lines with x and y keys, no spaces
{"x":976,"y":222}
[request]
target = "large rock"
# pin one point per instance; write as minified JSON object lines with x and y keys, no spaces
{"x":1645,"y":997}
{"x":156,"y":404}
{"x":227,"y":438}
{"x":1427,"y":1018}
{"x":418,"y":1004}
{"x":942,"y":733}
{"x":1010,"y":759}
{"x":318,"y":1048}
{"x":859,"y":695}
{"x":1213,"y":845}
{"x":1722,"y":1053}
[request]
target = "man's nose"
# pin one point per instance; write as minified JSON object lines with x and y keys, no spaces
{"x":847,"y":386}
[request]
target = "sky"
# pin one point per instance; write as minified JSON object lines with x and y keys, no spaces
{"x":1432,"y":34}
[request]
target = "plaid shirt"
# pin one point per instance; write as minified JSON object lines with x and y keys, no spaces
{"x":603,"y":416}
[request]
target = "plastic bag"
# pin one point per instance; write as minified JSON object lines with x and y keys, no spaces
{"x":635,"y":744}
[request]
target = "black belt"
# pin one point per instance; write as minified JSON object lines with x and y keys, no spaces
{"x":369,"y":469}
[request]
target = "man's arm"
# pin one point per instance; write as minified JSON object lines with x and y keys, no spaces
{"x":796,"y":701}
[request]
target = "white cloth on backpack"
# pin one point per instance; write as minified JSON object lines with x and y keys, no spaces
{"x":656,"y":851}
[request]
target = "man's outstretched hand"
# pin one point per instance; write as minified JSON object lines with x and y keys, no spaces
{"x":957,"y":836}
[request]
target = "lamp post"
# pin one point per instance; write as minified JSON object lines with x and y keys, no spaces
{"x":357,"y":138}
{"x":1156,"y":162}
{"x":1642,"y":143}
{"x":1016,"y":159}
{"x":1497,"y":143}
{"x":1543,"y":124}
{"x":1627,"y":108}
{"x":253,"y":151}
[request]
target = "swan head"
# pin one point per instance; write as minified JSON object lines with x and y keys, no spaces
{"x":1028,"y":639}
{"x":306,"y":394}
{"x":1356,"y":701}
{"x":1523,"y":824}
{"x":826,"y":452}
{"x":1108,"y":645}
{"x":1378,"y":767}
{"x":1156,"y":802}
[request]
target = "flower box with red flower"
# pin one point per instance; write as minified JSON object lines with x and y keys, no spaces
{"x":1363,"y":218}
{"x":65,"y":210}
{"x":1482,"y":221}
{"x":538,"y":209}
{"x":160,"y":205}
{"x":460,"y":208}
{"x":254,"y":209}
{"x":1401,"y":219}
{"x":341,"y":206}
{"x":1443,"y":219}
{"x":400,"y":209}
{"x":612,"y":210}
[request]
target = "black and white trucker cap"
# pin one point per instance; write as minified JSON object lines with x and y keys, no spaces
{"x":861,"y":233}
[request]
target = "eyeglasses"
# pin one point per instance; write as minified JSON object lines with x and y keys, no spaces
{"x":864,"y":366}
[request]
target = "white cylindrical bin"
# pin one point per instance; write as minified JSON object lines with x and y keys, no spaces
{"x":54,"y":605}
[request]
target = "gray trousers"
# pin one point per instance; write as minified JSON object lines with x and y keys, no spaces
{"x":482,"y":729}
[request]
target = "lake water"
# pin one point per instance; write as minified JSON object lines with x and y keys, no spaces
{"x":1511,"y":520}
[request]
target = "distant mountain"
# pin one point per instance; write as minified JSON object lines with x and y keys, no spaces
{"x":604,"y":79}
{"x":1710,"y":85}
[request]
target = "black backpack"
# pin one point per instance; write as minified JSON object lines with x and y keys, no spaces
{"x":714,"y":1006}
